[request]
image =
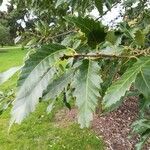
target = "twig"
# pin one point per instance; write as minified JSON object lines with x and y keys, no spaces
{"x":51,"y":37}
{"x":107,"y":10}
{"x":93,"y":56}
{"x":62,"y":34}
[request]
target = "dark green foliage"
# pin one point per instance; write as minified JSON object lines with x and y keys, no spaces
{"x":142,"y":127}
{"x":4,"y":36}
{"x":99,"y":5}
{"x":94,"y":31}
{"x":143,"y":81}
{"x":1,"y":2}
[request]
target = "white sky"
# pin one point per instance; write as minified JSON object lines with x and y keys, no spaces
{"x":110,"y":16}
{"x":3,"y":7}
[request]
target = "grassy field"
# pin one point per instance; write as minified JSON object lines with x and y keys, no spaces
{"x":40,"y":131}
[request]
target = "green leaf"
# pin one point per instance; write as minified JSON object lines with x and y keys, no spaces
{"x":118,"y":89}
{"x":55,"y":88}
{"x":113,"y":38}
{"x":32,"y":41}
{"x":140,"y":38}
{"x":4,"y":76}
{"x":141,"y":127}
{"x":143,"y":140}
{"x":36,"y":74}
{"x":50,"y":107}
{"x":87,"y":86}
{"x":37,"y":58}
{"x":144,"y":105}
{"x":93,"y":30}
{"x":142,"y":82}
{"x":67,"y":40}
{"x":76,"y":44}
{"x":110,"y":3}
{"x":99,"y":5}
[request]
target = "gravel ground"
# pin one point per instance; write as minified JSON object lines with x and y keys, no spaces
{"x":114,"y":127}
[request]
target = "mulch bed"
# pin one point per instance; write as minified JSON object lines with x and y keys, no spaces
{"x":114,"y":127}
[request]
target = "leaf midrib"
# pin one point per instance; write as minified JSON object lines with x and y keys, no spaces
{"x":87,"y":83}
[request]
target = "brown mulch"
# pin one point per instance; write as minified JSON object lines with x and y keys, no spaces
{"x":114,"y":127}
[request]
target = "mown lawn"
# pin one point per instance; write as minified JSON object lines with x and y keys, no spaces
{"x":40,"y":131}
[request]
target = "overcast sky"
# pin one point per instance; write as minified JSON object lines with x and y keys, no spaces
{"x":3,"y":7}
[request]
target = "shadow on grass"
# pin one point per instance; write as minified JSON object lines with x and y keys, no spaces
{"x":3,"y":51}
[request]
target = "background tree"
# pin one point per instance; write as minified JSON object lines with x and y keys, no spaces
{"x":4,"y":36}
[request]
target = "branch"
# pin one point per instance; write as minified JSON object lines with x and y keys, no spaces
{"x":144,"y":52}
{"x":62,"y":34}
{"x":51,"y":37}
{"x":94,"y":56}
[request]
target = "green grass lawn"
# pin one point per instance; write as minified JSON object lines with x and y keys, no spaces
{"x":39,"y":131}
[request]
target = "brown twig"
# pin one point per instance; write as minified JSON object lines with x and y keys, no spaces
{"x":107,"y":11}
{"x":62,"y":34}
{"x":51,"y":37}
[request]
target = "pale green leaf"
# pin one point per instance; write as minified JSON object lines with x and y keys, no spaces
{"x":39,"y":57}
{"x":67,"y":40}
{"x":50,"y":107}
{"x":36,"y":74}
{"x":113,"y":38}
{"x":4,"y":76}
{"x":76,"y":44}
{"x":140,"y":38}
